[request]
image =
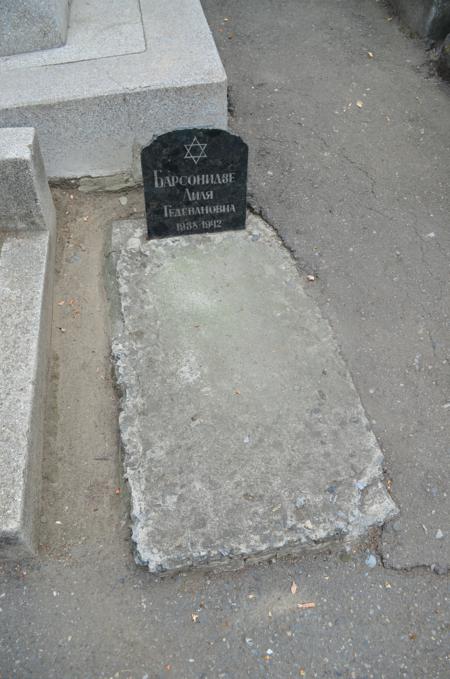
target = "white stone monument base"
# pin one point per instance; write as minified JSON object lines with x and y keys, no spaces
{"x":128,"y":71}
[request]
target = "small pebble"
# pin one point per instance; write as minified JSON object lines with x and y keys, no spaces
{"x":123,"y":200}
{"x":439,"y":534}
{"x":371,"y":561}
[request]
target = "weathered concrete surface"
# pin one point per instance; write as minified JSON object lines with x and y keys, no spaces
{"x":242,"y":432}
{"x":428,"y":18}
{"x":361,"y":198}
{"x":28,"y":25}
{"x":94,"y":114}
{"x":26,"y":263}
{"x":25,"y":200}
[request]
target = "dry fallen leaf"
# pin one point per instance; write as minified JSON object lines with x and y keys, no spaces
{"x":412,"y":636}
{"x":195,"y":617}
{"x":117,"y":491}
{"x":302,"y":672}
{"x":237,"y":392}
{"x":294,"y":587}
{"x":310,"y":604}
{"x":61,"y":302}
{"x":370,"y":55}
{"x":360,"y":103}
{"x":310,"y":277}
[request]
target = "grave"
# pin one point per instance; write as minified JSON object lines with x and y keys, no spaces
{"x":128,"y":70}
{"x":243,"y":435}
{"x":27,"y":233}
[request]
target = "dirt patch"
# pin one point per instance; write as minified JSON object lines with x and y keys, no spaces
{"x":82,"y":497}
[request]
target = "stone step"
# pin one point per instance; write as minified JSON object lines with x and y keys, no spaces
{"x":242,"y":432}
{"x":114,"y":84}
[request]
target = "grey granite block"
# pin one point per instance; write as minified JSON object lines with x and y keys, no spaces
{"x":27,"y":234}
{"x":94,"y":33}
{"x":26,"y":263}
{"x":25,"y":199}
{"x":94,"y":115}
{"x":242,"y":432}
{"x":28,"y":25}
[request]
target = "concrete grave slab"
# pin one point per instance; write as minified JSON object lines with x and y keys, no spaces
{"x":242,"y":432}
{"x":28,"y":25}
{"x":95,"y":103}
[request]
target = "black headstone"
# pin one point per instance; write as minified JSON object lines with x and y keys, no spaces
{"x":195,"y":181}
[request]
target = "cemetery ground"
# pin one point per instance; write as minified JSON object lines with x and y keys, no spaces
{"x":359,"y":194}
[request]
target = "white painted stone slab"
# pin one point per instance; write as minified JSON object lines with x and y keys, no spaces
{"x":242,"y":432}
{"x":93,"y":116}
{"x":103,"y":28}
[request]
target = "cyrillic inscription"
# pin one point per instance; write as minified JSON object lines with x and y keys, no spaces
{"x":195,"y":181}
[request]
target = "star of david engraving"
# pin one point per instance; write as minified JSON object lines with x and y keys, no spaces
{"x":195,"y":151}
